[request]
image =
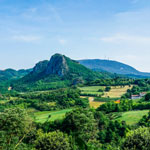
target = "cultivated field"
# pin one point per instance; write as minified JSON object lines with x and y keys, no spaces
{"x":132,"y":117}
{"x":91,"y":89}
{"x":96,"y":104}
{"x":93,"y":103}
{"x":43,"y":115}
{"x":116,"y":91}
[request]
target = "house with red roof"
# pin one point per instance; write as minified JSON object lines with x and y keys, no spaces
{"x":142,"y":94}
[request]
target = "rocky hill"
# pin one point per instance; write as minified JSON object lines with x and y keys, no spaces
{"x":59,"y":71}
{"x":57,"y":65}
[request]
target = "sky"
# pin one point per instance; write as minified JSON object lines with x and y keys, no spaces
{"x":33,"y":30}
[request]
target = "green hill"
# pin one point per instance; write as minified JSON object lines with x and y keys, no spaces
{"x":113,"y":67}
{"x":59,"y":72}
{"x":9,"y":74}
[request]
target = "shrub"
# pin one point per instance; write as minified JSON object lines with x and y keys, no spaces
{"x":138,"y":139}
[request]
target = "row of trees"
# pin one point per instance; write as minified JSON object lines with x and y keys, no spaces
{"x":118,"y":81}
{"x":124,"y":105}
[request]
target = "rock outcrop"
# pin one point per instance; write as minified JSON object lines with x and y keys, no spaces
{"x":57,"y":65}
{"x":40,"y":66}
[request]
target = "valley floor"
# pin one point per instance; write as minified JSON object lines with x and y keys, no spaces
{"x":132,"y":117}
{"x":42,"y":116}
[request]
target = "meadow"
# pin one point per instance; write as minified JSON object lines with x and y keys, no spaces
{"x":42,"y":116}
{"x":132,"y":117}
{"x":95,"y":105}
{"x":116,"y":91}
{"x":91,"y":89}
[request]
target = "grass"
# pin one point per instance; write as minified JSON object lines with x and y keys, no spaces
{"x":91,"y":89}
{"x":3,"y":101}
{"x":132,"y":117}
{"x":42,"y":116}
{"x":116,"y":91}
{"x":95,"y":104}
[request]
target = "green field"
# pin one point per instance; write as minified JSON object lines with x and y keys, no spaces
{"x":91,"y":89}
{"x":132,"y":117}
{"x":116,"y":91}
{"x":43,"y":115}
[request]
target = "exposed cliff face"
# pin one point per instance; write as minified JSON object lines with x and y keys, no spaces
{"x":57,"y":65}
{"x":40,"y":67}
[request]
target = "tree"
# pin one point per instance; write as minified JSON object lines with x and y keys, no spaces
{"x":15,"y":125}
{"x":135,"y":90}
{"x":108,"y":107}
{"x":81,"y":124}
{"x":138,"y":139}
{"x":145,"y":121}
{"x":52,"y":141}
{"x":82,"y":102}
{"x":107,"y":89}
{"x":147,"y":97}
{"x":100,"y":90}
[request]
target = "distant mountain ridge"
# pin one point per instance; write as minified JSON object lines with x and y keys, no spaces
{"x":112,"y":67}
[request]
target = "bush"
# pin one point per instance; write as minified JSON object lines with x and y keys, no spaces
{"x":147,"y":97}
{"x":107,"y":89}
{"x":104,"y":99}
{"x":100,"y":90}
{"x":138,"y":139}
{"x":52,"y":141}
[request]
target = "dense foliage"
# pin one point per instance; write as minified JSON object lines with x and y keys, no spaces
{"x":15,"y":125}
{"x":82,"y":128}
{"x":53,"y":100}
{"x":116,"y":81}
{"x":53,"y":140}
{"x":138,"y":139}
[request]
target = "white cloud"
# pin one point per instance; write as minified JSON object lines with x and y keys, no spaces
{"x":124,"y":38}
{"x":26,"y":38}
{"x":33,"y":10}
{"x":62,"y":41}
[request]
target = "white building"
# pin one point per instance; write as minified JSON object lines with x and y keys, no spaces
{"x":142,"y":94}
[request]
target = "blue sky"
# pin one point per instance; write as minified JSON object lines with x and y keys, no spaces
{"x":33,"y":30}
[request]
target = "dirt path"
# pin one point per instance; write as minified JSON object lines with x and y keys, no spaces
{"x":92,"y":102}
{"x":91,"y":99}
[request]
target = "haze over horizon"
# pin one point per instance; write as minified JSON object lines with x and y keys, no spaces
{"x":33,"y":30}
